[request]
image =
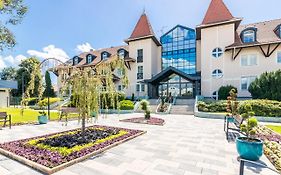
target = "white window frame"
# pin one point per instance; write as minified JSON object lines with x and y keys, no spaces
{"x":217,"y":75}
{"x":142,"y":87}
{"x":216,"y":53}
{"x":216,"y":96}
{"x":249,"y":33}
{"x":104,"y":55}
{"x":121,"y":54}
{"x":249,"y":80}
{"x":89,"y":58}
{"x":138,"y":88}
{"x":248,"y":60}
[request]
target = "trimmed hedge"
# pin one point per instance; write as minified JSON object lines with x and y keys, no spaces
{"x":44,"y":102}
{"x":216,"y":106}
{"x":265,"y":108}
{"x":126,"y":105}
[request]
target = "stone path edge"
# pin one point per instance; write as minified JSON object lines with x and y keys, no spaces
{"x":47,"y":170}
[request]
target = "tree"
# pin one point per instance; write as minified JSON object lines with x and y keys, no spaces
{"x":224,"y":91}
{"x":13,"y":12}
{"x":267,"y":86}
{"x":25,"y":73}
{"x":8,"y":73}
{"x":86,"y":86}
{"x":49,"y":90}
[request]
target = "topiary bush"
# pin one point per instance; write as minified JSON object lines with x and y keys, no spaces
{"x":267,"y":86}
{"x":126,"y":105}
{"x":224,"y":91}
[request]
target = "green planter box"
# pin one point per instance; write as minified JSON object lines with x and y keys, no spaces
{"x":42,"y":119}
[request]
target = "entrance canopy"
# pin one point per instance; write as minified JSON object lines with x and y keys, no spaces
{"x":168,"y":74}
{"x":179,"y":88}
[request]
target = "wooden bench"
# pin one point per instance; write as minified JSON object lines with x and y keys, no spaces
{"x":235,"y":124}
{"x":4,"y":117}
{"x":66,"y":111}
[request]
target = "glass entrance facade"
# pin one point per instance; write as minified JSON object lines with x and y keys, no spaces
{"x":179,"y":51}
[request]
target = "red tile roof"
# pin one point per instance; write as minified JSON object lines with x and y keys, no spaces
{"x":217,"y":12}
{"x":143,"y":28}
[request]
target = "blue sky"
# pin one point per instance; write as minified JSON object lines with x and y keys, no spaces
{"x":65,"y":26}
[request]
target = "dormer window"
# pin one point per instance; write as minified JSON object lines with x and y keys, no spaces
{"x":249,"y":35}
{"x":104,"y":55}
{"x":75,"y":60}
{"x":121,"y":53}
{"x":278,"y":31}
{"x":90,"y":58}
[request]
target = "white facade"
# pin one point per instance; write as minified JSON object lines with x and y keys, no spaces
{"x":4,"y":98}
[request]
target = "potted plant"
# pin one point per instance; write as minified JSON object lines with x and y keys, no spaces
{"x":232,"y":105}
{"x":42,"y":118}
{"x":249,"y":147}
{"x":145,"y":107}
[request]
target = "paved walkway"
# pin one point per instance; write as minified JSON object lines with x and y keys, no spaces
{"x":184,"y":146}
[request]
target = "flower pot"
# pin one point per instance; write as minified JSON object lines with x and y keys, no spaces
{"x":249,"y":150}
{"x":94,"y":114}
{"x":42,"y":119}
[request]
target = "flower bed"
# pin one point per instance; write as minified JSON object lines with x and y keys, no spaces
{"x":272,"y":145}
{"x":142,"y":120}
{"x":50,"y":153}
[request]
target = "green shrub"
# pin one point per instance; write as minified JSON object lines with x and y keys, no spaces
{"x":266,"y":108}
{"x":217,"y":106}
{"x":108,"y":102}
{"x":44,"y":102}
{"x":126,"y":105}
{"x":224,"y":91}
{"x":267,"y":86}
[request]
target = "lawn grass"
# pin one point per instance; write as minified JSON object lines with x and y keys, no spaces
{"x":275,"y":128}
{"x":29,"y":115}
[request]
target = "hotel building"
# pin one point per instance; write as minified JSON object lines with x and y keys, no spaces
{"x":186,"y":62}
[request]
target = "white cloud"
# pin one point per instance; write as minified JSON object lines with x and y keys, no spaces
{"x":86,"y":47}
{"x":11,"y":61}
{"x":50,"y":52}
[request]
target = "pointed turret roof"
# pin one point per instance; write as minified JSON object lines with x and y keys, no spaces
{"x":143,"y":29}
{"x":217,"y":12}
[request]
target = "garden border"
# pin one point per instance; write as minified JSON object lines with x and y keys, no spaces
{"x":47,"y":170}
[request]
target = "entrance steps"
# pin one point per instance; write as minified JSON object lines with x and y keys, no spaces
{"x":182,"y":109}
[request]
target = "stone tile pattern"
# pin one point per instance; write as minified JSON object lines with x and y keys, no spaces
{"x":184,"y":146}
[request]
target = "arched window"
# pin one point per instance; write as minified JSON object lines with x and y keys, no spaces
{"x":75,"y":60}
{"x":89,"y":58}
{"x":217,"y":52}
{"x":121,"y":53}
{"x":278,"y":31}
{"x":104,"y":55}
{"x":249,"y":35}
{"x":217,"y":73}
{"x":215,"y":95}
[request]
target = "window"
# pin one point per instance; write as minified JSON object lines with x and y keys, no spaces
{"x":140,"y":56}
{"x":249,"y":60}
{"x":121,"y":53}
{"x":119,"y":87}
{"x":104,"y":55}
{"x":217,"y":73}
{"x":249,"y":36}
{"x":217,"y":52}
{"x":215,"y":95}
{"x":140,"y":72}
{"x":75,"y":60}
{"x":89,"y":59}
{"x":246,"y":81}
{"x":137,"y":87}
{"x":142,"y":87}
{"x":279,"y":57}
